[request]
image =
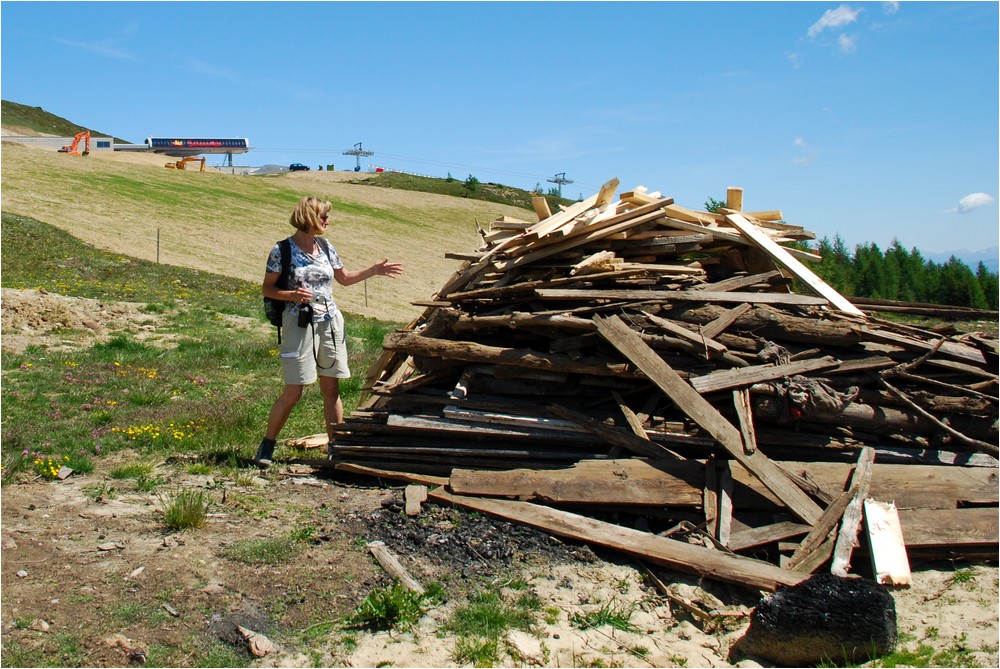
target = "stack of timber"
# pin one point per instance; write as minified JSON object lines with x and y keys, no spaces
{"x":632,"y":359}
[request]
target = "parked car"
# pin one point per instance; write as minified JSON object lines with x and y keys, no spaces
{"x":297,"y":167}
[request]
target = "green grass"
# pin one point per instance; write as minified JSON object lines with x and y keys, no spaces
{"x":609,"y":614}
{"x":482,"y":623}
{"x":208,"y":393}
{"x":393,"y":607}
{"x":272,"y":550}
{"x":456,"y":187}
{"x":185,"y":509}
{"x":39,"y":120}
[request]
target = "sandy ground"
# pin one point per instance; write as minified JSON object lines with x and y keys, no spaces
{"x":72,"y":561}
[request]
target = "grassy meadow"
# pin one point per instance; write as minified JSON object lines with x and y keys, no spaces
{"x":130,"y":204}
{"x":207,"y":391}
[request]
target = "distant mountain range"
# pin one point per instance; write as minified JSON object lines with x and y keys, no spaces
{"x":989,"y":257}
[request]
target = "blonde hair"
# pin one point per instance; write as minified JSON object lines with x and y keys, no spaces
{"x":308,"y":215}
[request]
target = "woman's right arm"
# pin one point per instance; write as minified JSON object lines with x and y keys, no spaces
{"x":270,"y":289}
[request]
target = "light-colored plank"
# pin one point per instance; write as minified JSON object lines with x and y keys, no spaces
{"x":734,"y":198}
{"x":885,"y":541}
{"x":541,"y":206}
{"x":414,"y":495}
{"x":782,"y":256}
{"x":724,"y":523}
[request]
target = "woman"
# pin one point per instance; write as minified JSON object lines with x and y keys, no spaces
{"x":315,"y":343}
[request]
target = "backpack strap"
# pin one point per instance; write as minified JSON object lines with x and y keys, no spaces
{"x":285,"y":248}
{"x":326,"y":248}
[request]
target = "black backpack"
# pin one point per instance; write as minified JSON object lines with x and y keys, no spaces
{"x":273,"y":309}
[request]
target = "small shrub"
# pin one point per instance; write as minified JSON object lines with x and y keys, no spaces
{"x":185,"y":509}
{"x":395,"y":607}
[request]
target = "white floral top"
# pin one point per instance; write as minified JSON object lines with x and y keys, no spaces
{"x":313,"y":272}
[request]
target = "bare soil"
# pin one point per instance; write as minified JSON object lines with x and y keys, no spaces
{"x":92,"y":577}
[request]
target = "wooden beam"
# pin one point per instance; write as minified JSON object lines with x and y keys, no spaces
{"x":758,"y":536}
{"x":820,"y":533}
{"x":541,"y":206}
{"x":710,"y":498}
{"x":734,"y":198}
{"x":679,"y":296}
{"x":687,"y":399}
{"x":724,"y":522}
{"x":392,"y":565}
{"x":847,"y":538}
{"x":744,"y":412}
{"x":464,"y":351}
{"x":709,"y":563}
{"x":747,"y":376}
{"x":614,"y":435}
{"x":782,"y":256}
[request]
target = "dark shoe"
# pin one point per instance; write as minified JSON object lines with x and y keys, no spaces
{"x":264,"y":453}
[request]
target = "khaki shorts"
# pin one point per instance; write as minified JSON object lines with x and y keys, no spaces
{"x":320,"y":349}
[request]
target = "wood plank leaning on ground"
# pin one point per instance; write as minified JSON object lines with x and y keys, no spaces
{"x":669,"y":552}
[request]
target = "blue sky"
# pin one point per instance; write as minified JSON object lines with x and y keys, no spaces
{"x":870,"y":120}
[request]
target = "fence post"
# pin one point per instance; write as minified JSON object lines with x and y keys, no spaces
{"x":157,"y":246}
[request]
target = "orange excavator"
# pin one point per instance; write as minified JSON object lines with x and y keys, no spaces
{"x":180,"y":164}
{"x":74,"y":148}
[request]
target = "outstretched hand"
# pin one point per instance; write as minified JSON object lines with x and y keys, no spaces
{"x":389,"y":269}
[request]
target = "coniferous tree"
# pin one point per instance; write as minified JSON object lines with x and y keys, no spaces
{"x":869,"y":271}
{"x":988,"y":281}
{"x":957,"y":286}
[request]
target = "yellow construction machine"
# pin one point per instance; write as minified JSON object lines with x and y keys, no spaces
{"x":180,"y":164}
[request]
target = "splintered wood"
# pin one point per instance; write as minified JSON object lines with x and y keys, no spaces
{"x":640,"y":357}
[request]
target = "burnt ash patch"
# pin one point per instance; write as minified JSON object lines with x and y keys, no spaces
{"x":466,"y":544}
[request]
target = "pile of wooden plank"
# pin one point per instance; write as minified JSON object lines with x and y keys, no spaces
{"x":683,"y":372}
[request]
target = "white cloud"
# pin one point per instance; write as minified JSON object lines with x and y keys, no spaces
{"x":890,"y":7}
{"x":834,"y":18}
{"x":973,"y":201}
{"x":210,"y":70}
{"x":795,"y":59}
{"x":807,"y":154}
{"x":848,"y":43}
{"x":104,"y":48}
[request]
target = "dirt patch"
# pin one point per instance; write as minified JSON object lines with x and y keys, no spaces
{"x":60,"y":323}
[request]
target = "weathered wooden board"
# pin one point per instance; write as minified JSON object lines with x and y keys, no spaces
{"x":669,"y":552}
{"x":679,"y":296}
{"x":661,"y":482}
{"x":705,"y":415}
{"x":623,"y":481}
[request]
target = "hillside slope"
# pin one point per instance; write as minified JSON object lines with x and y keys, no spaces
{"x":227,"y":224}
